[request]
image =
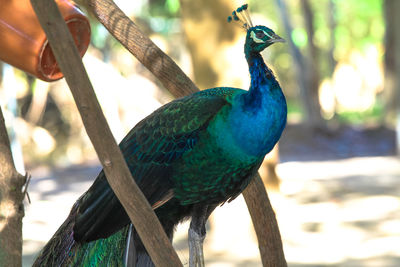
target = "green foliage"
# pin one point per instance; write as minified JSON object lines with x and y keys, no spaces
{"x":172,"y":6}
{"x":164,"y":8}
{"x":295,"y":110}
{"x":99,"y":35}
{"x":359,"y":23}
{"x":371,"y":115}
{"x":299,"y":36}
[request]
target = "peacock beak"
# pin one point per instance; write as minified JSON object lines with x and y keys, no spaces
{"x":277,"y":39}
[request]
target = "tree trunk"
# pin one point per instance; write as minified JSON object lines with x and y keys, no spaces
{"x":390,"y":59}
{"x":332,"y":26}
{"x":11,"y":206}
{"x":392,"y":65}
{"x":312,"y":68}
{"x":308,"y":86}
{"x":208,"y":38}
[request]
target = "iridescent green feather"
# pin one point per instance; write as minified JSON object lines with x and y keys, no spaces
{"x":63,"y":250}
{"x":102,"y":252}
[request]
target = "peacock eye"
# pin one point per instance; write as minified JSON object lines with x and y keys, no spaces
{"x":260,"y":35}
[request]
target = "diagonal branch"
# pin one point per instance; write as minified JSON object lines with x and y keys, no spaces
{"x":265,"y":224}
{"x":118,"y":175}
{"x":176,"y":81}
{"x":130,"y":36}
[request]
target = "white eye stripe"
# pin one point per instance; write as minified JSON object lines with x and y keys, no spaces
{"x":267,"y":34}
{"x":255,"y":39}
{"x":258,"y":40}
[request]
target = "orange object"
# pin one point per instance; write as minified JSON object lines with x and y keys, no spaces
{"x":23,"y":42}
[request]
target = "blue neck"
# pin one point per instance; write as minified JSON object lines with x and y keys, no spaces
{"x":263,"y":82}
{"x":256,"y":118}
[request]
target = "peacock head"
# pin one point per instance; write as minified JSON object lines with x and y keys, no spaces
{"x":258,"y":37}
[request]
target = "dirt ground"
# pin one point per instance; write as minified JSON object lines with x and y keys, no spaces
{"x":338,"y":203}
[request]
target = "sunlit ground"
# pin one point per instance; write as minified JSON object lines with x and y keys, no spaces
{"x":331,"y":213}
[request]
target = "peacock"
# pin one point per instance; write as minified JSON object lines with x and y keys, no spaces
{"x":188,"y":157}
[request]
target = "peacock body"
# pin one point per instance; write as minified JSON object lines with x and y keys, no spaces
{"x":191,"y":154}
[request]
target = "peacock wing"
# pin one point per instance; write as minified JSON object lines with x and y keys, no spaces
{"x":150,"y":149}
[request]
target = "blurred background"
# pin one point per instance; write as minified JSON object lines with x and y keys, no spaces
{"x":334,"y":182}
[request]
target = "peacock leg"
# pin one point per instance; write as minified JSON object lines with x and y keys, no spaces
{"x":197,"y":233}
{"x":196,"y":256}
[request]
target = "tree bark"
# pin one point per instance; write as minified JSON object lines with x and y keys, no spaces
{"x":118,"y":175}
{"x":11,"y":203}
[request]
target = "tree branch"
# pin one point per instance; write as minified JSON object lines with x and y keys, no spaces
{"x":11,"y":206}
{"x":176,"y":81}
{"x":265,"y":224}
{"x":118,"y":175}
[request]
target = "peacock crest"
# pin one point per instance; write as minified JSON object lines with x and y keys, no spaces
{"x":242,"y":17}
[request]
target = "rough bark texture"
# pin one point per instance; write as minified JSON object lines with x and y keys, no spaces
{"x":118,"y":175}
{"x":11,"y":205}
{"x":174,"y":80}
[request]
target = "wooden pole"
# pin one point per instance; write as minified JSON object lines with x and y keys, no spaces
{"x":118,"y":175}
{"x":176,"y":81}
